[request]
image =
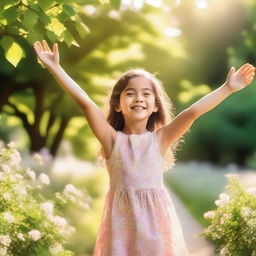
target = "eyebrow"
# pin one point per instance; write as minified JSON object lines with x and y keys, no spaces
{"x":133,"y":89}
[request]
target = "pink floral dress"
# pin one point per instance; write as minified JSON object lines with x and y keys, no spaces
{"x":139,"y":218}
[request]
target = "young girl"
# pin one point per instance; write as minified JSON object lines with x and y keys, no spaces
{"x":139,"y":218}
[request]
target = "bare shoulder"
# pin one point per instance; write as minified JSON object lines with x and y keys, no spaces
{"x":109,"y":143}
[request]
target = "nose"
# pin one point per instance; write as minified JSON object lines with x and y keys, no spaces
{"x":138,"y":98}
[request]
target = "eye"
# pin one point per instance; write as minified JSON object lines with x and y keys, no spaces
{"x":146,"y":93}
{"x":129,"y":94}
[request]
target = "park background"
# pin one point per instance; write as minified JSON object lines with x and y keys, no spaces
{"x":189,"y":44}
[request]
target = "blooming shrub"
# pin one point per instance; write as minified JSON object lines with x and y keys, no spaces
{"x":233,"y":223}
{"x":30,"y":224}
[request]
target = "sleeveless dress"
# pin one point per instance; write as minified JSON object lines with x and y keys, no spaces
{"x":138,"y":218}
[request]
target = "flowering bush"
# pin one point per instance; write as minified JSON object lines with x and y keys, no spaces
{"x":29,"y":224}
{"x":233,"y":223}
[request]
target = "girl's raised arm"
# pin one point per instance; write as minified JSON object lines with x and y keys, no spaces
{"x":182,"y":122}
{"x":97,"y":121}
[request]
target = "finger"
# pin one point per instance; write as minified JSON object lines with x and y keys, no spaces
{"x":249,"y":70}
{"x":245,"y":71}
{"x":231,"y":71}
{"x":245,"y":66}
{"x":39,"y":46}
{"x":37,"y":49}
{"x":46,"y":46}
{"x":55,"y":48}
{"x":248,"y":77}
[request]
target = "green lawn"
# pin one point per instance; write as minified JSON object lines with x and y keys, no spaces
{"x":198,"y":185}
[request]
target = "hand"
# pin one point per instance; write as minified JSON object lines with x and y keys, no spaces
{"x":49,"y":58}
{"x":241,"y":78}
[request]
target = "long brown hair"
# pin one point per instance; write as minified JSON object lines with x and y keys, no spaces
{"x":156,"y":120}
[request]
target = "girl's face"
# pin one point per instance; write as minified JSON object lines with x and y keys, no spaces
{"x":138,"y":92}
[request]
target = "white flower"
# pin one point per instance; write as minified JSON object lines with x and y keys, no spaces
{"x":18,"y":176}
{"x":58,"y":221}
{"x":5,"y":240}
{"x":20,"y":190}
{"x":72,"y":198}
{"x":47,"y":207}
{"x":2,"y":176}
{"x":224,"y":251}
{"x":45,"y":154}
{"x":252,"y":223}
{"x":6,"y":168}
{"x":84,"y":205}
{"x":3,"y":252}
{"x":34,"y":234}
{"x":231,"y":175}
{"x":71,"y":189}
{"x":38,"y":158}
{"x":251,"y":191}
{"x":31,"y":174}
{"x":246,"y":211}
{"x":15,"y":159}
{"x":7,"y":196}
{"x":11,"y":144}
{"x":55,"y":248}
{"x":20,"y":236}
{"x":9,"y":217}
{"x":224,"y":196}
{"x":13,"y":178}
{"x":223,"y":200}
{"x":44,"y":179}
{"x":209,"y":214}
{"x":225,"y":217}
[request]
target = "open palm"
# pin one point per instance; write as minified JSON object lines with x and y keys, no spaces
{"x":48,"y":57}
{"x":241,"y":78}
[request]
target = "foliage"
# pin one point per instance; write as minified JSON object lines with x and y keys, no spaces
{"x":226,"y":134}
{"x":35,"y":20}
{"x":30,"y":224}
{"x":233,"y":224}
{"x":29,"y":93}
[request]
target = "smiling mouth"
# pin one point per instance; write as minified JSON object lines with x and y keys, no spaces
{"x":138,"y":108}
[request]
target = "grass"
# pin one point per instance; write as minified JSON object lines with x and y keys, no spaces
{"x":198,"y":185}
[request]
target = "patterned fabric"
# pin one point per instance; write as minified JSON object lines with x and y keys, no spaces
{"x":139,"y":218}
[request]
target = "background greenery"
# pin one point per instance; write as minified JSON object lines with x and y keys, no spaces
{"x":191,"y":44}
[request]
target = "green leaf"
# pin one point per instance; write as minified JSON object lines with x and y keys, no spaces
{"x":82,"y":29}
{"x":45,"y":4}
{"x":62,"y":16}
{"x":13,"y":52}
{"x":13,"y":30}
{"x":11,"y":14}
{"x":34,"y":36}
{"x":115,"y":3}
{"x":44,"y":17}
{"x":6,"y":42}
{"x":4,"y":4}
{"x":65,"y":1}
{"x":69,"y":10}
{"x":51,"y":36}
{"x":68,"y":38}
{"x":57,"y":27}
{"x":30,"y":19}
{"x":34,"y":6}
